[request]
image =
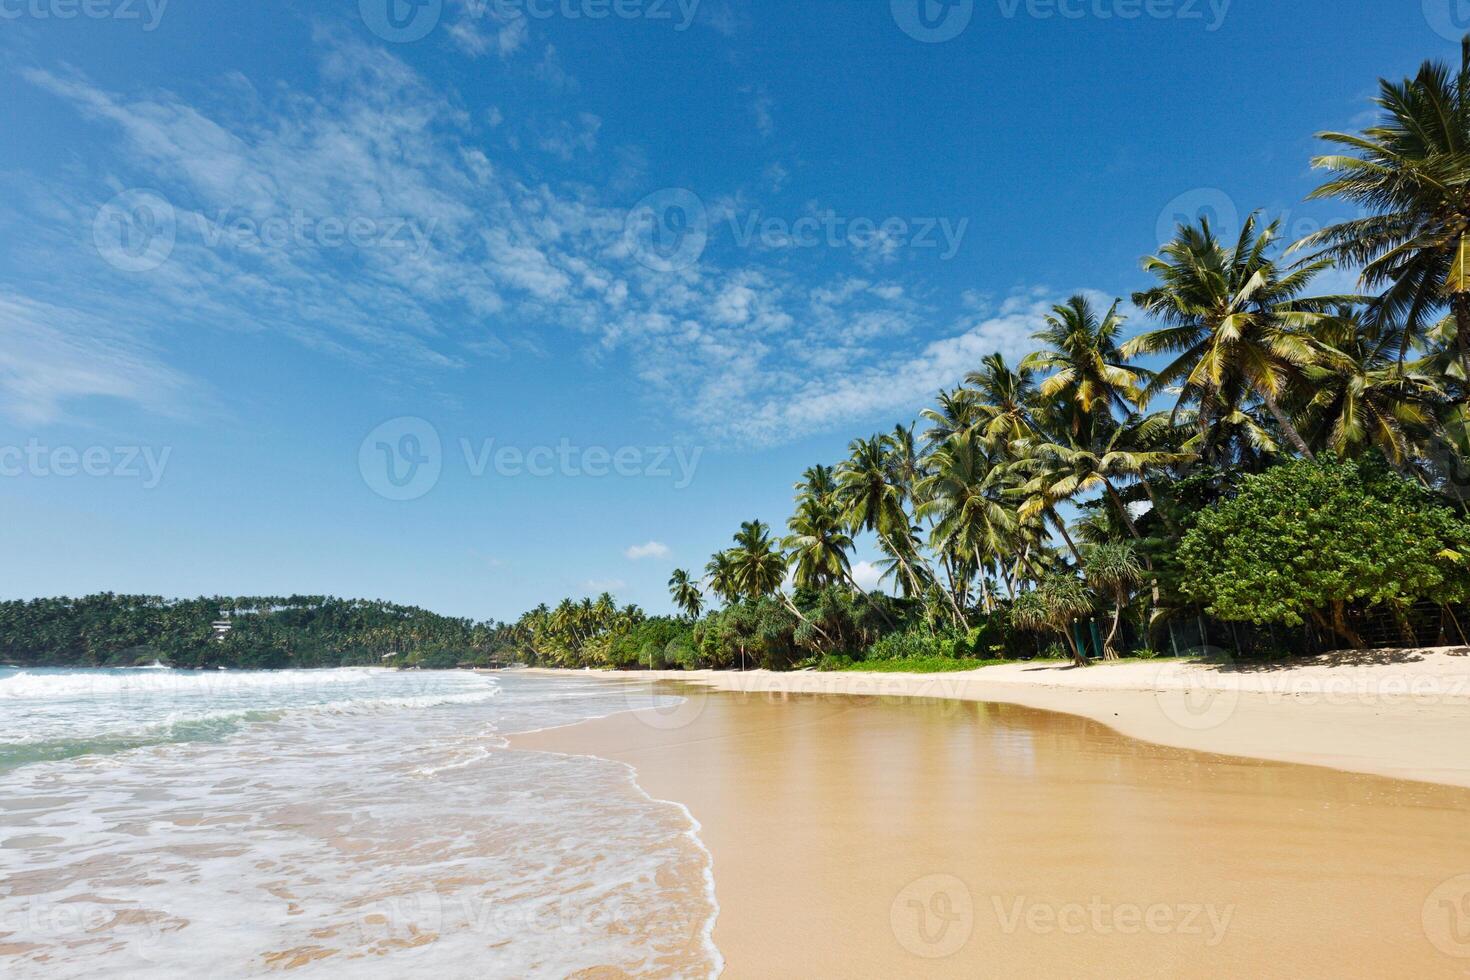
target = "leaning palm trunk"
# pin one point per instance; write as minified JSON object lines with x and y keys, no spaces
{"x":1148,"y":562}
{"x":1460,"y":303}
{"x":1289,"y":430}
{"x":1110,"y":645}
{"x":1061,"y":527}
{"x":1153,"y":498}
{"x":791,"y":606}
{"x":847,"y":573}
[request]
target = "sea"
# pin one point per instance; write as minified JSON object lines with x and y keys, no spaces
{"x":357,"y":822}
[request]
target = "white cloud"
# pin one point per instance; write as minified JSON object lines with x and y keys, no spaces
{"x":653,"y":549}
{"x":866,"y":575}
{"x":891,"y":390}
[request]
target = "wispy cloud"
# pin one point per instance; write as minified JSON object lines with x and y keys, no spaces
{"x":54,"y":357}
{"x":739,"y":346}
{"x":653,"y":549}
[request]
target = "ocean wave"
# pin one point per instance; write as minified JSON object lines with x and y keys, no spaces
{"x":28,"y":685}
{"x":56,"y":716}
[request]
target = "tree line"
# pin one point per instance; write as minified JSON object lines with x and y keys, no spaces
{"x":1309,"y":470}
{"x":264,"y":632}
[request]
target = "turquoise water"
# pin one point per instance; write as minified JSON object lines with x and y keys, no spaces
{"x":53,"y":714}
{"x":158,"y":823}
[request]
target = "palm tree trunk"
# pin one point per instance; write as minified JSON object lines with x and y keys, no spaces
{"x":1460,"y":303}
{"x":1077,"y":658}
{"x":954,"y":594}
{"x":1061,"y":526}
{"x":786,"y":599}
{"x":1153,"y":498}
{"x":1148,"y":562}
{"x":1110,"y":645}
{"x":1287,"y":429}
{"x":1118,"y":501}
{"x":866,"y":595}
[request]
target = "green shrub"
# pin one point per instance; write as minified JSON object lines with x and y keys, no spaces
{"x":907,"y":645}
{"x":1307,"y":539}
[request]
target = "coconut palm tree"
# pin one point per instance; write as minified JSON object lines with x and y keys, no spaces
{"x":972,"y":525}
{"x":758,"y":567}
{"x":870,"y":498}
{"x":1070,"y":472}
{"x":1233,"y":319}
{"x":1005,"y":399}
{"x":1113,"y":569}
{"x":817,"y":483}
{"x":720,"y":574}
{"x":1087,"y":374}
{"x":957,"y":412}
{"x":686,"y":594}
{"x":1411,"y":172}
{"x":873,"y":497}
{"x":1362,"y":393}
{"x":818,"y":545}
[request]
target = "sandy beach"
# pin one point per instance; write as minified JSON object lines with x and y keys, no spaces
{"x":1141,"y":818}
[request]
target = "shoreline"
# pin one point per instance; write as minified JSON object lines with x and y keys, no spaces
{"x":1397,"y":714}
{"x":839,"y":811}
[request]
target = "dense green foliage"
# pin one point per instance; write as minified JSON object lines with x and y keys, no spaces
{"x":265,"y":633}
{"x":1307,"y":539}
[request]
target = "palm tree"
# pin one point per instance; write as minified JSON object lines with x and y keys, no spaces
{"x":720,"y":573}
{"x":1233,"y":319}
{"x":958,"y":412}
{"x":1361,"y":393}
{"x":873,"y":498}
{"x":870,"y":499}
{"x":972,"y":525}
{"x":686,"y":594}
{"x":758,"y":567}
{"x":1113,"y":569}
{"x":817,"y":483}
{"x":1089,"y":374}
{"x":818,"y":545}
{"x":1411,"y":171}
{"x":1006,"y":399}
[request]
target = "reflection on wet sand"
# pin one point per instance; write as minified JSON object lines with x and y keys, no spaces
{"x":879,"y":837}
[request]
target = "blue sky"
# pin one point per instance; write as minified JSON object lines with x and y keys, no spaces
{"x":597,"y":287}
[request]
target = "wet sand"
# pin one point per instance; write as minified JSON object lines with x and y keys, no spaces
{"x":887,"y":837}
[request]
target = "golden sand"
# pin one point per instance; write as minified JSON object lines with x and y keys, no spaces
{"x":893,"y":837}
